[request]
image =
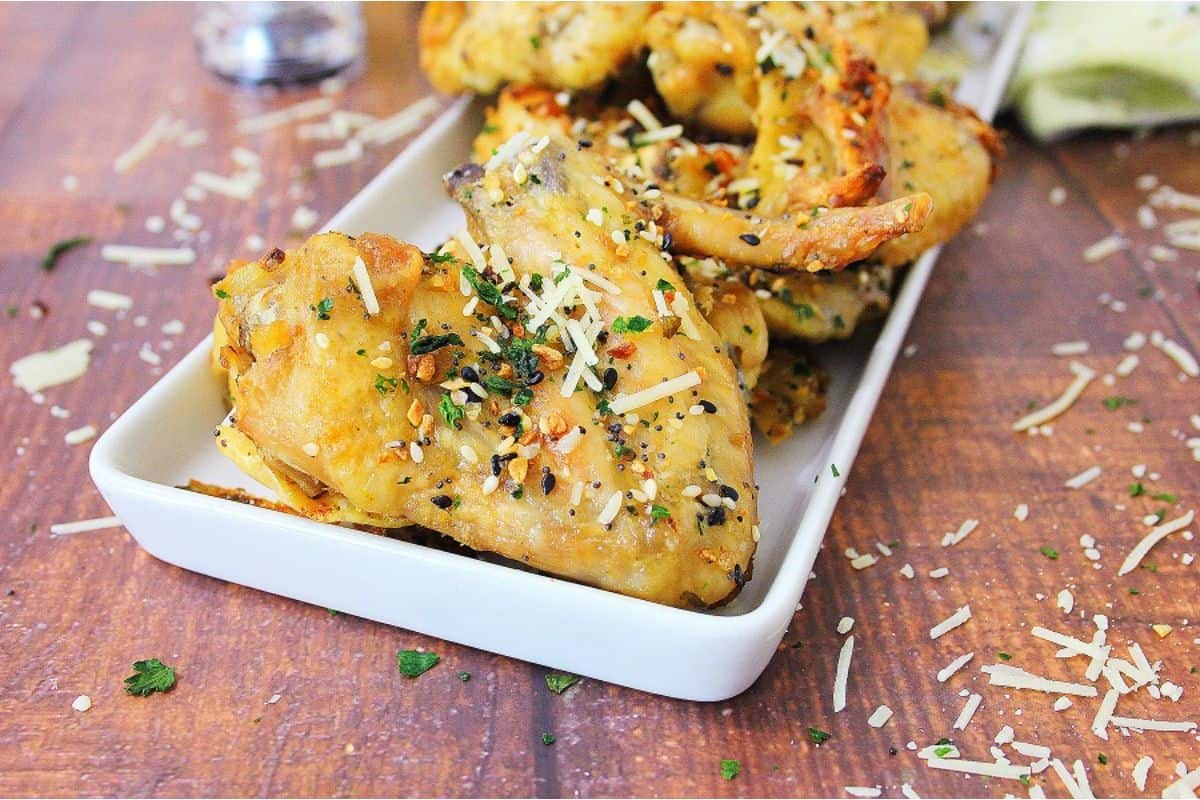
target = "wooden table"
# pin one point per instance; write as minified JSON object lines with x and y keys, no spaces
{"x":83,"y":82}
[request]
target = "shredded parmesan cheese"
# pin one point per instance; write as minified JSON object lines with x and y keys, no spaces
{"x":879,"y":717}
{"x":623,"y":403}
{"x":363,"y":281}
{"x":147,"y":256}
{"x":47,"y":368}
{"x":1084,"y":478}
{"x":611,"y":509}
{"x":964,"y":717}
{"x":1083,"y":376}
{"x":1152,"y":538}
{"x":1012,"y":677}
{"x":84,"y":526}
{"x":842,"y":674}
{"x":988,"y":768}
{"x":80,"y":435}
{"x":1140,"y":771}
{"x":954,"y":666}
{"x":951,"y":622}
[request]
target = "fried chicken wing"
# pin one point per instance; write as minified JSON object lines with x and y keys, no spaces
{"x":705,"y":57}
{"x":562,"y":421}
{"x":479,"y":46}
{"x":823,"y":306}
{"x":792,"y":390}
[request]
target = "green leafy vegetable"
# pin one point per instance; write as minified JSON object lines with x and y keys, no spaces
{"x":413,"y":663}
{"x":148,"y":677}
{"x":428,"y":344}
{"x":61,"y":248}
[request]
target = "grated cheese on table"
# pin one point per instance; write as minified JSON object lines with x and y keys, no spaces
{"x":879,"y":717}
{"x":1083,"y":377}
{"x":842,"y":674}
{"x":964,"y":717}
{"x":1084,"y":478}
{"x":954,"y":666}
{"x":951,"y":622}
{"x":1152,"y":538}
{"x":41,"y":370}
{"x":84,"y":526}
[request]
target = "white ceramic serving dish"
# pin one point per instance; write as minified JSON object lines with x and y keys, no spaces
{"x":166,"y":438}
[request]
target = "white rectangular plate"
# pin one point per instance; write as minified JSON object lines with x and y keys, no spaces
{"x":166,"y":438}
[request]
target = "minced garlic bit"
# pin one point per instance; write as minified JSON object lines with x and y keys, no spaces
{"x":1021,"y":512}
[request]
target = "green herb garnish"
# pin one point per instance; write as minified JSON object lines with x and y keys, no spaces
{"x":730,"y":768}
{"x":559,"y":682}
{"x":818,"y":736}
{"x":1113,"y":402}
{"x":1049,"y":552}
{"x":451,"y":412}
{"x":488,"y":292}
{"x":384,"y":384}
{"x":658,"y":512}
{"x":413,"y":663}
{"x":61,"y":248}
{"x":148,"y":677}
{"x":634,"y":324}
{"x":323,"y":308}
{"x":548,"y":739}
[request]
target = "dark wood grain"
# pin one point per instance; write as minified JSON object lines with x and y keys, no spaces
{"x":82,"y":82}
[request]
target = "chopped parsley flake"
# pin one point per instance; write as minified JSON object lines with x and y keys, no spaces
{"x":464,"y":676}
{"x":61,"y":248}
{"x":730,"y":768}
{"x":442,"y":258}
{"x":559,"y":682}
{"x":1164,"y":497}
{"x":658,"y":512}
{"x":634,"y":324}
{"x":1103,"y":759}
{"x":1004,"y":656}
{"x":833,"y":468}
{"x":489,"y":293}
{"x":323,"y":308}
{"x":818,"y":736}
{"x":1113,"y":402}
{"x":1049,"y":552}
{"x":384,"y":384}
{"x":414,"y":663}
{"x":664,"y":286}
{"x":1136,"y":489}
{"x":451,"y":412}
{"x":428,"y":344}
{"x":148,"y":677}
{"x":221,"y":294}
{"x":548,"y":739}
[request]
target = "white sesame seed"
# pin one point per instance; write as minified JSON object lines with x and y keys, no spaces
{"x":322,"y":340}
{"x":691,"y":490}
{"x":311,"y":449}
{"x":711,"y":500}
{"x":490,"y":484}
{"x":416,"y":453}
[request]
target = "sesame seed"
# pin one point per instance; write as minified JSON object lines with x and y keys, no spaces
{"x":311,"y":449}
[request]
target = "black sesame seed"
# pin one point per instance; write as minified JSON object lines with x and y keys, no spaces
{"x":469,"y":374}
{"x":537,"y":377}
{"x":548,"y":482}
{"x":610,"y":378}
{"x":510,"y":419}
{"x":724,"y":69}
{"x":730,"y":492}
{"x":708,"y":406}
{"x":716,"y":516}
{"x":750,"y":239}
{"x":442,"y":501}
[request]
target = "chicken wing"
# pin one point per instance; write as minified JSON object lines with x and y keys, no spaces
{"x":563,"y":421}
{"x":479,"y":46}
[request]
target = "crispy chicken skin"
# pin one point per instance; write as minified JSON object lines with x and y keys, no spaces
{"x":792,"y":390}
{"x":380,"y":413}
{"x":703,"y":56}
{"x":479,"y":46}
